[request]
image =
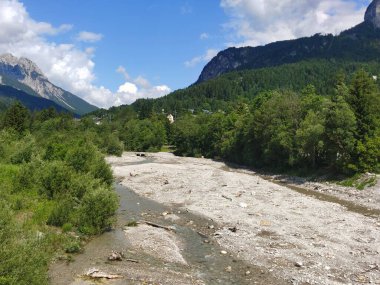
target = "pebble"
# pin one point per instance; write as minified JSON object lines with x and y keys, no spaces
{"x":211,"y":227}
{"x":228,"y":269}
{"x":223,"y":252}
{"x":247,"y":272}
{"x":298,"y":264}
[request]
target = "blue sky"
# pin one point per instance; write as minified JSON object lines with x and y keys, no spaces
{"x":149,"y":38}
{"x":111,"y":52}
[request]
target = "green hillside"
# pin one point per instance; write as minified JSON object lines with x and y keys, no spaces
{"x":217,"y":94}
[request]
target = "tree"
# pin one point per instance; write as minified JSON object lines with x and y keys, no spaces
{"x":364,"y":99}
{"x":16,"y":117}
{"x":310,"y":136}
{"x":340,"y":129}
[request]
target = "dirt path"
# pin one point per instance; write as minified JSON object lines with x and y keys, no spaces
{"x":296,"y":237}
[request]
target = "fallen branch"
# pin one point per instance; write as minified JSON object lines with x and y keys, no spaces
{"x":132,"y":260}
{"x":228,"y":198}
{"x":96,"y":273}
{"x":170,"y":229}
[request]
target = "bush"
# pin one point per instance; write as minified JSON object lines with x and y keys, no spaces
{"x":23,"y":256}
{"x":55,"y":179}
{"x":22,"y":150}
{"x":67,"y":227}
{"x":81,"y":157}
{"x":62,"y":213}
{"x":97,"y":211}
{"x":102,"y":171}
{"x":113,"y":146}
{"x":28,"y":176}
{"x":73,"y":247}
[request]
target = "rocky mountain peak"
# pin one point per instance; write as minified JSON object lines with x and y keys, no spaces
{"x":372,"y":15}
{"x":25,"y":71}
{"x":25,"y":66}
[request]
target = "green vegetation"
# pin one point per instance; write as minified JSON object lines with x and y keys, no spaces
{"x":283,"y":130}
{"x":222,"y":93}
{"x":306,"y":117}
{"x":53,"y":181}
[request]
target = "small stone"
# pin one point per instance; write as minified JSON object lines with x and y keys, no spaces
{"x":115,"y":256}
{"x":211,"y":227}
{"x":223,"y":252}
{"x":165,"y":213}
{"x":247,"y":272}
{"x":228,"y":269}
{"x":233,"y":229}
{"x":298,"y":264}
{"x":327,"y":267}
{"x":206,"y":241}
{"x":243,"y":205}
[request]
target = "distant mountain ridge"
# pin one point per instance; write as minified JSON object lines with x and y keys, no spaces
{"x":360,"y":43}
{"x":24,"y":74}
{"x":8,"y":95}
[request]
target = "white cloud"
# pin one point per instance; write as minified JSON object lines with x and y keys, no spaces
{"x":122,"y":71}
{"x":204,"y":36}
{"x":65,"y":65}
{"x":210,"y":53}
{"x":138,"y":88}
{"x":89,"y":37}
{"x":257,"y":22}
{"x":128,"y":87}
{"x":142,"y":82}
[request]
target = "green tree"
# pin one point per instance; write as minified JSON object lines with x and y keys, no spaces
{"x":364,"y":99}
{"x":340,"y":129}
{"x":310,"y":137}
{"x":16,"y":117}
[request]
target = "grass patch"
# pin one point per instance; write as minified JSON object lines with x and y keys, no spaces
{"x":167,"y":148}
{"x":360,"y":181}
{"x":131,"y":224}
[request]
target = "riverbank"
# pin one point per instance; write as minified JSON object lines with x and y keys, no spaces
{"x":294,"y":236}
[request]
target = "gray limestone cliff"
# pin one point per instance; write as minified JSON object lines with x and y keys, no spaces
{"x":372,"y":15}
{"x":357,"y":43}
{"x":28,"y":73}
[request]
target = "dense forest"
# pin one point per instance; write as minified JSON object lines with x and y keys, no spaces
{"x":279,"y":130}
{"x":218,"y":94}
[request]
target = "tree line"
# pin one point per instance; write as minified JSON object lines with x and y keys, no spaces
{"x":283,"y":129}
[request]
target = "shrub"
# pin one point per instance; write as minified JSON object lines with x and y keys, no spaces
{"x":67,"y":227}
{"x":113,"y":146}
{"x":28,"y":176}
{"x":102,"y":171}
{"x":55,"y":179}
{"x":97,"y":211}
{"x":62,"y":213}
{"x":81,"y":157}
{"x":73,"y":247}
{"x":23,"y":256}
{"x":82,"y":183}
